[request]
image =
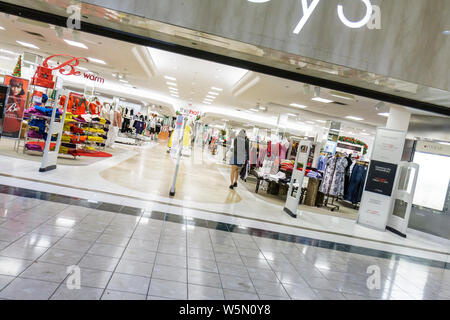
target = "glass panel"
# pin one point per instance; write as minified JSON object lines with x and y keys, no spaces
{"x":400,"y":207}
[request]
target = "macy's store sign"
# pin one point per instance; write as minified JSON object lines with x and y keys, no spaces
{"x":67,"y":68}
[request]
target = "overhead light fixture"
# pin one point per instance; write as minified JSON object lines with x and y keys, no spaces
{"x":254,"y":110}
{"x":173,"y":89}
{"x":76,"y":44}
{"x":211,"y":97}
{"x":321,"y":121}
{"x":354,"y":118}
{"x":365,"y":134}
{"x":291,"y":115}
{"x":171,"y":84}
{"x":295,"y":105}
{"x":384,"y":114}
{"x":446,"y":32}
{"x":213,"y":93}
{"x":342,"y":95}
{"x":127,"y":85}
{"x":8,"y":52}
{"x":310,"y":122}
{"x":170,"y":78}
{"x":124,"y":81}
{"x":205,"y":102}
{"x":209,"y":100}
{"x":318,"y":99}
{"x":28,"y":45}
{"x":1,"y":28}
{"x":444,"y":143}
{"x":217,"y":89}
{"x":96,"y":60}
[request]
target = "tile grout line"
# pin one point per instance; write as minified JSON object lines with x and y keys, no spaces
{"x":154,"y":262}
{"x":242,"y":217}
{"x":215,"y":262}
{"x":121,"y":256}
{"x":417,"y":260}
{"x":84,"y":254}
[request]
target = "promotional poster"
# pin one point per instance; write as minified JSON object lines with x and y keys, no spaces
{"x":15,"y":106}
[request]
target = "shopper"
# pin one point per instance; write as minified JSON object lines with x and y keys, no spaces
{"x":239,"y":156}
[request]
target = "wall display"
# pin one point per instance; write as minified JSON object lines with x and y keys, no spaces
{"x":4,"y":92}
{"x":13,"y":113}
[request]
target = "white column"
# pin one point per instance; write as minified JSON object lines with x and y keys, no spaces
{"x":398,"y":119}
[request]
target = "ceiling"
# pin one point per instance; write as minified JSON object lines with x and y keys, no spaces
{"x":147,"y":73}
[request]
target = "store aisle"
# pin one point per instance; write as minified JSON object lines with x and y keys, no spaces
{"x":125,"y":253}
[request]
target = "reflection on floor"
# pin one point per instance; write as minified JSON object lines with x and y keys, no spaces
{"x":152,"y":170}
{"x":138,"y":255}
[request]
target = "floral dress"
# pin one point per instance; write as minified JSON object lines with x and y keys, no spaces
{"x":334,"y":177}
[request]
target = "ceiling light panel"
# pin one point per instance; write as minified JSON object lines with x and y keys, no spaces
{"x":171,"y":84}
{"x":213,"y":93}
{"x":318,"y":99}
{"x":28,"y":45}
{"x":76,"y":44}
{"x":170,"y":78}
{"x":354,"y":118}
{"x":96,"y":60}
{"x":216,"y":89}
{"x":300,"y":106}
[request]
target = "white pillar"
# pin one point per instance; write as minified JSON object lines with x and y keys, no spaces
{"x":398,"y":119}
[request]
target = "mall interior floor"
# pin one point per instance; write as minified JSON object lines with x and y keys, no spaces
{"x":137,"y":254}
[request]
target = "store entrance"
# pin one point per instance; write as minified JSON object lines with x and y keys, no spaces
{"x":120,"y":133}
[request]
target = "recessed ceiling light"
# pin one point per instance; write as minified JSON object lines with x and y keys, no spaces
{"x":384,"y":114}
{"x":8,"y":52}
{"x":291,"y":115}
{"x":254,"y":110}
{"x":321,"y":121}
{"x":76,"y":44}
{"x":213,"y":93}
{"x":365,"y":134}
{"x":1,"y":28}
{"x":124,"y":81}
{"x":209,"y":100}
{"x":171,"y":84}
{"x":444,"y":143}
{"x":96,"y":60}
{"x":206,"y":102}
{"x":170,"y":78}
{"x":310,"y":122}
{"x":173,"y":89}
{"x":26,"y":44}
{"x":446,"y":32}
{"x":318,"y":99}
{"x":298,"y":106}
{"x":354,"y":118}
{"x":217,"y":89}
{"x":127,"y":85}
{"x":211,"y":97}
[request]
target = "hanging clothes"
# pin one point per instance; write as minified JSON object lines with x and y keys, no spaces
{"x":334,"y":177}
{"x":356,"y":184}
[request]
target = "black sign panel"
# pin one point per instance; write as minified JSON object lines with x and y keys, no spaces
{"x":4,"y":91}
{"x":380,"y":178}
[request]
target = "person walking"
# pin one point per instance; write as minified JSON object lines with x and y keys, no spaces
{"x":239,"y":156}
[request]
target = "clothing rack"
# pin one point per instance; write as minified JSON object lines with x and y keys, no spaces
{"x":333,"y":206}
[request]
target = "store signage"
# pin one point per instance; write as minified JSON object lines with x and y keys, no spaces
{"x":377,"y":202}
{"x":15,"y":106}
{"x":68,"y":68}
{"x":381,"y":177}
{"x":433,"y":148}
{"x":308,"y":10}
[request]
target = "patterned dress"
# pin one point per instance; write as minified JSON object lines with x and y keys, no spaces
{"x":334,"y":182}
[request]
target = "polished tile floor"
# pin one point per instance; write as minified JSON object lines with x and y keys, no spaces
{"x":129,"y":253}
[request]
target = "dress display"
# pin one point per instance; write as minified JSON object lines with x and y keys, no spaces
{"x":334,"y":177}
